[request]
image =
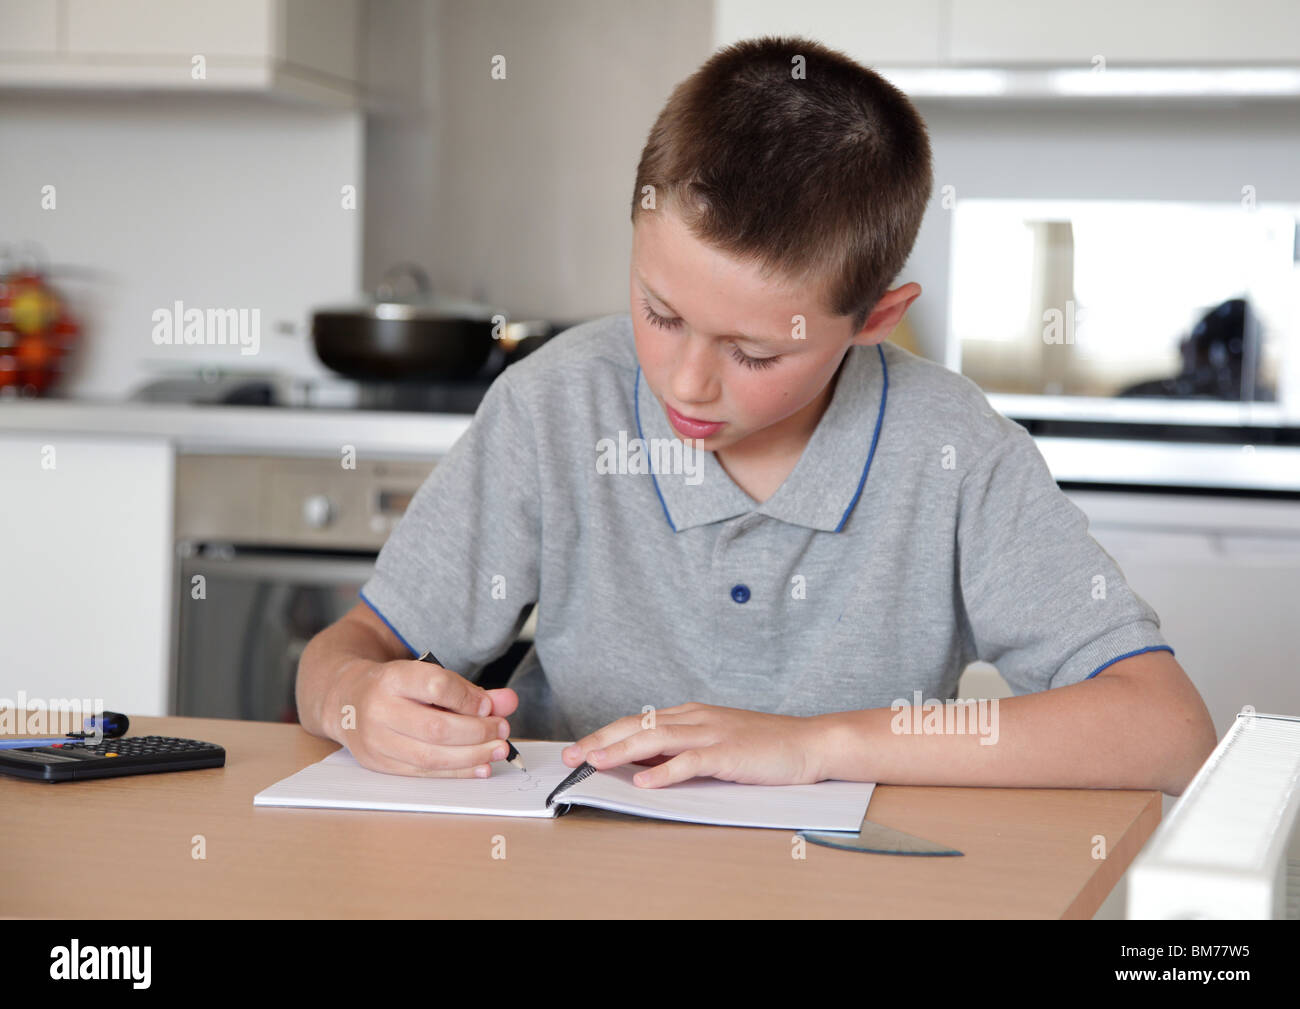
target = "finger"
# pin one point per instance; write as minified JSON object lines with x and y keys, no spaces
{"x":687,"y":764}
{"x":504,"y":700}
{"x":435,"y":725}
{"x":602,"y":738}
{"x":434,"y":684}
{"x":664,"y":739}
{"x":388,"y":766}
{"x":575,"y":753}
{"x":427,"y":758}
{"x":679,"y":709}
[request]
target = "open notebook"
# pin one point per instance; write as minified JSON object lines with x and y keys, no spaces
{"x":339,"y":782}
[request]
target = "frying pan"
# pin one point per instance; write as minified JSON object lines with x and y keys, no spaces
{"x":420,"y":337}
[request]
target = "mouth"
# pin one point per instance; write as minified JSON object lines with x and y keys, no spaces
{"x":692,"y":427}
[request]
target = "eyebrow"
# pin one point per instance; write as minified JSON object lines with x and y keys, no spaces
{"x":762,"y":341}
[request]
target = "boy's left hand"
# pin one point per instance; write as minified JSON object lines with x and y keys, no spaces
{"x":703,"y":740}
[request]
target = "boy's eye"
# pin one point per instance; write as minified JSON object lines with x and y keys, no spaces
{"x":659,"y":320}
{"x":664,"y":322}
{"x":754,"y":362}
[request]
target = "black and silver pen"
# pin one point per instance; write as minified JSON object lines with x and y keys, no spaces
{"x":512,"y":755}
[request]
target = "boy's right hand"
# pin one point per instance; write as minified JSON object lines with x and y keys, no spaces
{"x":417,"y":718}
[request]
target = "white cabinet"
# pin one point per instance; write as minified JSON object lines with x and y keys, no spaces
{"x":303,"y":49}
{"x":871,"y":32}
{"x":1223,"y":575}
{"x":1009,"y":32}
{"x":85,"y":569}
{"x":28,"y":28}
{"x":149,"y":29}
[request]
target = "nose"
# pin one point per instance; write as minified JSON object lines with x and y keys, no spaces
{"x":694,"y":376}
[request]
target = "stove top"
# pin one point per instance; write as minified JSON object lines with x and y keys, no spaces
{"x":420,"y":397}
{"x":214,"y":386}
{"x":329,"y":393}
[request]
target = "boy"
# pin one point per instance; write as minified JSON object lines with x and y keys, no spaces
{"x":854,"y":525}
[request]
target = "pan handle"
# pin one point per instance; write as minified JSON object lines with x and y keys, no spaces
{"x":386,"y":289}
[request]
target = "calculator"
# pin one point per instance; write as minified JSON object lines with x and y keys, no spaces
{"x":74,"y":759}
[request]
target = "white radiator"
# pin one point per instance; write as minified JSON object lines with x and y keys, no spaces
{"x":1229,"y":847}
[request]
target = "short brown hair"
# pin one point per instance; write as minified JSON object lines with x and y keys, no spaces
{"x":822,"y":179}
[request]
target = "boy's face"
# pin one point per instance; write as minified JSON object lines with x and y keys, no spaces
{"x":730,"y":356}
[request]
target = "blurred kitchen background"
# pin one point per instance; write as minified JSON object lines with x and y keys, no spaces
{"x":1111,"y":252}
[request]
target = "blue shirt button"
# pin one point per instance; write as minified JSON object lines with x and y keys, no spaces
{"x":740,"y":593}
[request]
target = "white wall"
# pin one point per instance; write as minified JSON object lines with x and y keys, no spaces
{"x":400,"y":54}
{"x":533,"y":173}
{"x":218,"y":201}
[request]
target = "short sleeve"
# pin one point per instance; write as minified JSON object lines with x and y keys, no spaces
{"x":1045,"y":603}
{"x":459,"y":573}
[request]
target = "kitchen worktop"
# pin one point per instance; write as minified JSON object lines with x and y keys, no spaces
{"x":288,"y":430}
{"x":240,"y":429}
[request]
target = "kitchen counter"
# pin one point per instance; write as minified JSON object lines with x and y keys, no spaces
{"x":241,"y":429}
{"x":286,"y":430}
{"x":1174,"y":464}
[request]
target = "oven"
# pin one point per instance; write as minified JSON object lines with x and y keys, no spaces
{"x":270,"y":550}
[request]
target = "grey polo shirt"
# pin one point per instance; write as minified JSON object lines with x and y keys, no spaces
{"x":919,"y":531}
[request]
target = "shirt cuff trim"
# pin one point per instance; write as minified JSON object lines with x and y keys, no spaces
{"x":1129,"y":655}
{"x":1119,"y":642}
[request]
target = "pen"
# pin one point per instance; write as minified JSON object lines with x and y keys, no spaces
{"x":25,"y":744}
{"x":512,"y":755}
{"x":113,"y":724}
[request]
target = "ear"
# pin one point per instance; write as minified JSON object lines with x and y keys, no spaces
{"x":887,"y":314}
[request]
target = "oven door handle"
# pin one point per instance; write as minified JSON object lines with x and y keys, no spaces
{"x":328,"y":570}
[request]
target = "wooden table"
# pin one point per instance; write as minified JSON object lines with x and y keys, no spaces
{"x":1028,"y":852}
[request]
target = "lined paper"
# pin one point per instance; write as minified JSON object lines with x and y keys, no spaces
{"x":339,"y":782}
{"x":826,"y":805}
